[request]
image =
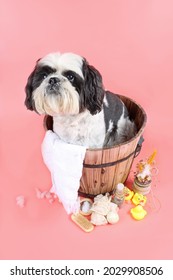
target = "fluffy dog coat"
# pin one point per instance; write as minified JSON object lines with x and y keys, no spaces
{"x":70,"y":90}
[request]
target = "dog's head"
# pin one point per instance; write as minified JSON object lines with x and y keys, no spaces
{"x":64,"y":84}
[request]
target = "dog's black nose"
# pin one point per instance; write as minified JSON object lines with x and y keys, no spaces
{"x":54,"y":81}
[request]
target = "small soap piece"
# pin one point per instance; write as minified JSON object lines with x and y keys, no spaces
{"x":20,"y":201}
{"x":45,"y":194}
{"x":82,"y":222}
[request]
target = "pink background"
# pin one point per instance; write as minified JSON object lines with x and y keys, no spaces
{"x":131,"y":43}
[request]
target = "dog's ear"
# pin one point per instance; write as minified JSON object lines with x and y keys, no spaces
{"x":29,"y":90}
{"x":93,"y":89}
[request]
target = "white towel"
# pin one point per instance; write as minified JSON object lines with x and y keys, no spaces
{"x":65,"y":162}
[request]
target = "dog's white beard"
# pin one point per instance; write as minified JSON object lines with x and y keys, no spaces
{"x":66,"y":102}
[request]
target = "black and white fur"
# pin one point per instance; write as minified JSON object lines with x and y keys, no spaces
{"x":70,"y":90}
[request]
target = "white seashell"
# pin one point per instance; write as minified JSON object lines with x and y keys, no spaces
{"x":98,"y":219}
{"x":112,"y":217}
{"x":98,"y":197}
{"x":101,"y":205}
{"x":113,"y":207}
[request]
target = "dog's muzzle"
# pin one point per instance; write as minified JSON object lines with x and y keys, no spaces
{"x":53,"y":85}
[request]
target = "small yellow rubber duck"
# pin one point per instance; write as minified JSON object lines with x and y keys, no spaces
{"x":139,"y":199}
{"x":138,"y":212}
{"x":128,"y":194}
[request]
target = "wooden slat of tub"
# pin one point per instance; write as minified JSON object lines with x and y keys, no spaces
{"x":120,"y":169}
{"x":107,"y":174}
{"x":130,"y":161}
{"x":83,"y":186}
{"x":92,"y":175}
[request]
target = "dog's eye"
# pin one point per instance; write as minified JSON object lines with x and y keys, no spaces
{"x":70,"y":77}
{"x":45,"y":76}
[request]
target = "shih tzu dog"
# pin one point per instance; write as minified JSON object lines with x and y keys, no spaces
{"x":70,"y":90}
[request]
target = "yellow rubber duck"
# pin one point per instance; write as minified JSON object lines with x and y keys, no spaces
{"x":139,"y":199}
{"x":138,"y":212}
{"x":128,"y":194}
